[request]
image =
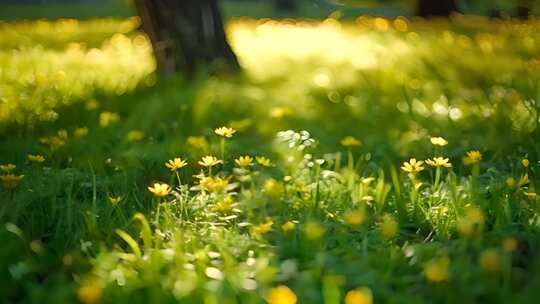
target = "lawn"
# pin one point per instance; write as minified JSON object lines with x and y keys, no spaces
{"x":363,"y":161}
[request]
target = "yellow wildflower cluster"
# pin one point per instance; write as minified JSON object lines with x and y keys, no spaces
{"x":8,"y":180}
{"x":160,"y":189}
{"x":437,"y":270}
{"x":472,"y":222}
{"x":413,"y":166}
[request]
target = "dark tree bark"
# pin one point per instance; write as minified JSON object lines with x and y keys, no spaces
{"x":286,"y":5}
{"x":436,"y":8}
{"x":186,"y":34}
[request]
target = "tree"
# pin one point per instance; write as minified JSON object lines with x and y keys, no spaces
{"x":186,"y":34}
{"x":436,"y":8}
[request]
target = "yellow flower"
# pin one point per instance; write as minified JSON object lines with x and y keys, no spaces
{"x":225,"y":205}
{"x":314,"y":230}
{"x":439,"y":162}
{"x":108,"y":118}
{"x":36,"y":158}
{"x":80,"y":132}
{"x":90,"y":293}
{"x":115,"y":200}
{"x":8,"y":168}
{"x":244,"y":161}
{"x":209,"y":161}
{"x":355,"y":217}
{"x":523,"y":180}
{"x":198,"y":142}
{"x":134,"y":135}
{"x":439,"y":141}
{"x":225,"y":132}
{"x":175,"y":164}
{"x":262,"y":228}
{"x":367,"y":180}
{"x":288,"y":226}
{"x":160,"y":189}
{"x":10,"y":181}
{"x":273,"y":188}
{"x":349,"y":141}
{"x":472,"y":157}
{"x":280,"y":112}
{"x":63,"y":134}
{"x":214,"y":184}
{"x":388,"y":228}
{"x":472,"y":222}
{"x":525,"y":162}
{"x":413,"y":166}
{"x":510,"y":244}
{"x":360,"y":295}
{"x":437,"y":270}
{"x":263,"y":161}
{"x":281,"y":295}
{"x":490,"y":260}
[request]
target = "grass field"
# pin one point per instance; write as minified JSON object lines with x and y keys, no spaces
{"x":366,"y":161}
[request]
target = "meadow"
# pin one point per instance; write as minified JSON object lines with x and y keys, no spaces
{"x":363,"y":161}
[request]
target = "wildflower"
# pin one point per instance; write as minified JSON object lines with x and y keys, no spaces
{"x":91,"y":105}
{"x":175,"y":164}
{"x":413,"y":166}
{"x":244,"y":161}
{"x":439,"y":162}
{"x":525,"y":162}
{"x":225,"y":132}
{"x":388,"y":228}
{"x":224,"y":205}
{"x":523,"y":180}
{"x":115,"y":200}
{"x":62,"y":134}
{"x":510,"y":182}
{"x":7,"y":168}
{"x":273,"y":188}
{"x":215,"y":184}
{"x":262,"y":228}
{"x":288,"y":226}
{"x":280,"y":112}
{"x":10,"y":181}
{"x":439,"y":141}
{"x":490,"y":260}
{"x":80,"y":132}
{"x":160,"y":189}
{"x":510,"y":244}
{"x":367,"y":180}
{"x":281,"y":295}
{"x":108,"y":118}
{"x":36,"y":158}
{"x":209,"y":161}
{"x":472,"y":157}
{"x":314,"y":230}
{"x":355,"y":217}
{"x":134,"y":135}
{"x":350,"y":141}
{"x":472,"y":222}
{"x":90,"y":293}
{"x":198,"y":142}
{"x":263,"y":161}
{"x":437,"y":270}
{"x":360,"y":295}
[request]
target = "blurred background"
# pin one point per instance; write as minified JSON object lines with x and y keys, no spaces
{"x":81,"y":9}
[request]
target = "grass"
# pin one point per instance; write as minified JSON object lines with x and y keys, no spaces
{"x":339,"y":212}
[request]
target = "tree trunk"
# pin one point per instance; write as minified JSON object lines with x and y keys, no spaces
{"x":186,"y":34}
{"x":286,"y":5}
{"x":436,"y":8}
